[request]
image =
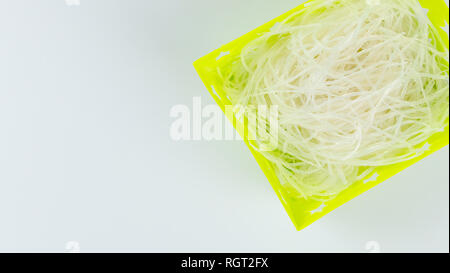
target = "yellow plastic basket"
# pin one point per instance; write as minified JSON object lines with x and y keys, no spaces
{"x":301,"y":211}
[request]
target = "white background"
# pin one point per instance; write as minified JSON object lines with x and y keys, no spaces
{"x":85,"y":152}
